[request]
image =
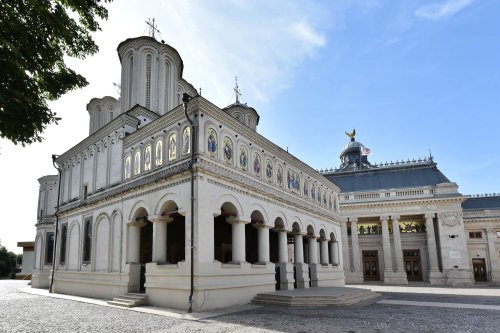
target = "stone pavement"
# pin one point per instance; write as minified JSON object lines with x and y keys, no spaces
{"x":24,"y":312}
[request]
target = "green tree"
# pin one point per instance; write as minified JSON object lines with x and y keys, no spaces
{"x":8,"y":262}
{"x":35,"y":35}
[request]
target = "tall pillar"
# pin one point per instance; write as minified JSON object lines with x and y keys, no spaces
{"x":283,"y":246}
{"x":313,"y":250}
{"x":298,"y":249}
{"x":263,"y":236}
{"x":434,"y":276}
{"x":301,"y":268}
{"x":134,"y":241}
{"x":386,"y":245}
{"x":334,"y":250}
{"x":160,"y":238}
{"x":493,"y":255}
{"x":345,"y":245}
{"x":238,"y":233}
{"x":324,"y":252}
{"x":398,"y":250}
{"x":356,"y":257}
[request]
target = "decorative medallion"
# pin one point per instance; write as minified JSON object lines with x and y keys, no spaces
{"x":256,"y":164}
{"x":126,"y":170}
{"x":172,"y":147}
{"x":147,"y":158}
{"x":450,"y":219}
{"x":243,"y":158}
{"x":186,"y":141}
{"x":137,"y":163}
{"x":228,"y":150}
{"x":279,"y":175}
{"x":212,"y":142}
{"x":293,"y":180}
{"x":159,"y":154}
{"x":269,"y":170}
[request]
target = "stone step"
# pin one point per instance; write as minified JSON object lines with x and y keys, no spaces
{"x":350,"y":298}
{"x":129,"y":300}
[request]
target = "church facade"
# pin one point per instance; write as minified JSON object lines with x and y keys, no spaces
{"x":132,"y":191}
{"x":173,"y":197}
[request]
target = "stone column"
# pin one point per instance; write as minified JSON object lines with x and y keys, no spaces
{"x":238,"y":235}
{"x":345,"y":245}
{"x":263,"y":236}
{"x":386,"y":244}
{"x":301,"y":269}
{"x":298,"y":249}
{"x":324,"y":252}
{"x":431,"y":244}
{"x":493,"y":255}
{"x":313,"y":250}
{"x":398,"y":250}
{"x":283,"y":246}
{"x":356,"y":260}
{"x":160,"y":238}
{"x":134,"y":241}
{"x":334,"y":250}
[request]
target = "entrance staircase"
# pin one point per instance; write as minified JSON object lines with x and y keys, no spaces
{"x":319,"y":297}
{"x":129,"y":300}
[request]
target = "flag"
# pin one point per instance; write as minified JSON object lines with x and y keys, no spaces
{"x":365,"y":151}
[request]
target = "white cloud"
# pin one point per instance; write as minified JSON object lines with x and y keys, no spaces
{"x":437,"y":11}
{"x":263,"y":44}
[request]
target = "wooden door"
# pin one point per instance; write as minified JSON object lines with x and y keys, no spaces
{"x":479,"y":267}
{"x":412,"y":265}
{"x":370,"y":266}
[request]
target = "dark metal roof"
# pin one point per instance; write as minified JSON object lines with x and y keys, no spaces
{"x":388,"y":178}
{"x":482,"y":203}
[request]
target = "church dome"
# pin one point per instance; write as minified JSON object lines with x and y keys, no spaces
{"x":354,"y":156}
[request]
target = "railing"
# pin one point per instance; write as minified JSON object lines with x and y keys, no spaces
{"x":387,"y":195}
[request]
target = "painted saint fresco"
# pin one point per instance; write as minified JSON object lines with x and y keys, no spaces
{"x":212,"y":142}
{"x":228,"y":150}
{"x":243,"y":158}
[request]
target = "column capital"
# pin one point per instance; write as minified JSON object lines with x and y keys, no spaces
{"x":430,"y":215}
{"x":136,"y":223}
{"x":310,"y":237}
{"x":159,"y":218}
{"x":384,"y":218}
{"x":235,"y":220}
{"x":261,"y":225}
{"x":344,"y":220}
{"x":353,"y":219}
{"x":395,"y":217}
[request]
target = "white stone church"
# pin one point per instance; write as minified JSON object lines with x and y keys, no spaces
{"x":173,"y":197}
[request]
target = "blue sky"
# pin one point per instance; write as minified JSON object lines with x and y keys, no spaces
{"x":410,"y":76}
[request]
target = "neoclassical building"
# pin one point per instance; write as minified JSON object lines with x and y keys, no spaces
{"x":178,"y":199}
{"x":175,"y":198}
{"x":406,"y":221}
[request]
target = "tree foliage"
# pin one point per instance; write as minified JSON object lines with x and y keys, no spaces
{"x":35,"y":35}
{"x":8,"y":262}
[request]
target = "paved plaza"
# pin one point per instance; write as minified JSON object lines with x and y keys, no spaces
{"x":401,"y":309}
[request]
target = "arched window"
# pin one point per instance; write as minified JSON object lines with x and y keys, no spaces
{"x":127,"y":167}
{"x":137,"y":163}
{"x":130,"y":80}
{"x":167,"y":86}
{"x":172,"y":147}
{"x":186,"y":140}
{"x":147,"y":158}
{"x":148,"y":81}
{"x":159,"y":153}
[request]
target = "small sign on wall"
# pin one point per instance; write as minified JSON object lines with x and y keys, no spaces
{"x":454,"y":254}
